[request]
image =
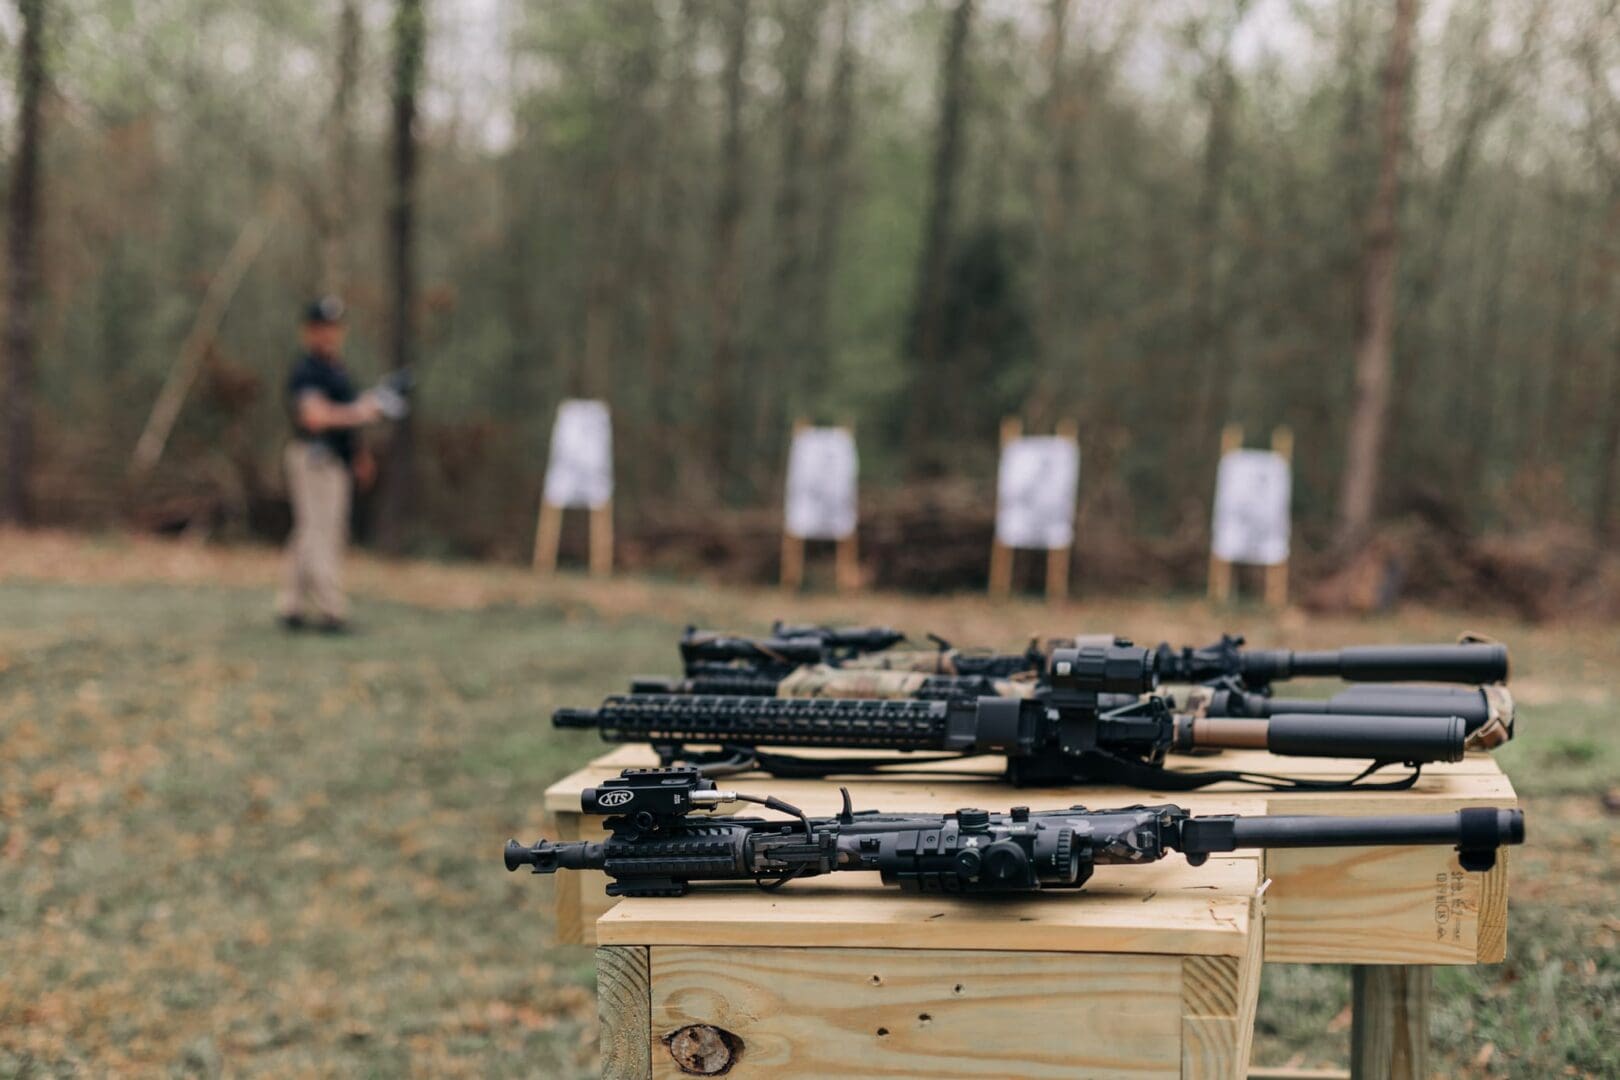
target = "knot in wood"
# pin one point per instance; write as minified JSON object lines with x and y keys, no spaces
{"x":703,"y":1049}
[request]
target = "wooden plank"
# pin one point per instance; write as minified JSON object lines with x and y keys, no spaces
{"x":1372,"y":905}
{"x":1491,"y":931}
{"x":1475,"y":781}
{"x":1364,"y":905}
{"x":847,"y":564}
{"x":1389,"y":1027}
{"x":944,"y":1015}
{"x":1220,"y":571}
{"x":1001,"y":556}
{"x":1282,"y":444}
{"x":1283,"y":1072}
{"x":1404,"y":905}
{"x":1167,"y":907}
{"x":1057,"y":574}
{"x":602,"y":541}
{"x":547,"y":537}
{"x":1219,"y":996}
{"x":792,"y":562}
{"x":624,"y":1007}
{"x":1209,"y":1021}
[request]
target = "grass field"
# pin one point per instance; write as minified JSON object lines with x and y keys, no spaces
{"x":226,"y":851}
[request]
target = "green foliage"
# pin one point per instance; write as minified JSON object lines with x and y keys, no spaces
{"x":570,"y":157}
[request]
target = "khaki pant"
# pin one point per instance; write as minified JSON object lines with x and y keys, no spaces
{"x":320,"y":486}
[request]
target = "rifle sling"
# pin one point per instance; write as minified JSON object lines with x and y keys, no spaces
{"x":1100,"y":765}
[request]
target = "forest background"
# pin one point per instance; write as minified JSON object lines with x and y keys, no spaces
{"x":1392,"y":226}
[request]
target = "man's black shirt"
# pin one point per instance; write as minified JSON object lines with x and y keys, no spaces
{"x":330,"y":379}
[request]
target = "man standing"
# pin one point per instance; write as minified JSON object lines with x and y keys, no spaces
{"x":324,"y":461}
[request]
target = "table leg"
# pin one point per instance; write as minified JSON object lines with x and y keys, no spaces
{"x":1389,"y":1025}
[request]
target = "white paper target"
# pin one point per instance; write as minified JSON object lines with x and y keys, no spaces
{"x":1035,"y":492}
{"x":821,"y":490}
{"x":1253,"y":489}
{"x":579,"y":472}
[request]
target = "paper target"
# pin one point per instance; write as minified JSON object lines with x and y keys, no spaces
{"x":579,"y":472}
{"x":1036,"y":489}
{"x":1253,"y":489}
{"x":821,"y":484}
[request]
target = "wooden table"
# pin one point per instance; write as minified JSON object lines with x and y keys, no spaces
{"x":1390,"y":912}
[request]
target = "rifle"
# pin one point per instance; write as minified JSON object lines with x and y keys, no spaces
{"x":1088,"y":722}
{"x":728,"y":663}
{"x":1487,"y":712}
{"x":655,"y":848}
{"x":1469,"y":661}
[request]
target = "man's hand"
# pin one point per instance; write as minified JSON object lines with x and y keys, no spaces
{"x":365,"y":469}
{"x":318,"y":413}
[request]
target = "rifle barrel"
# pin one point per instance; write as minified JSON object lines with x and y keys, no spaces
{"x":1418,"y":739}
{"x":1474,"y":662}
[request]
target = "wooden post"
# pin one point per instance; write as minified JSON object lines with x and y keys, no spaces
{"x":602,"y":540}
{"x":1282,"y":444}
{"x":1389,"y":1024}
{"x":547,"y":536}
{"x":1001,"y":556}
{"x":1220,"y":571}
{"x":793,"y":546}
{"x":624,"y":1006}
{"x":1058,"y":559}
{"x":792,"y":562}
{"x":848,"y":568}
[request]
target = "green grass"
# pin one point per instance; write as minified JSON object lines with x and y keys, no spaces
{"x":224,"y":850}
{"x":223,"y":845}
{"x":1550,"y":1008}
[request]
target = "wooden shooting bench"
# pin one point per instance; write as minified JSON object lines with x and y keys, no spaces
{"x":1148,"y":972}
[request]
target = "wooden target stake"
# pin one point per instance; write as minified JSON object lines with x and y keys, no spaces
{"x":1220,"y":571}
{"x":847,"y":559}
{"x":1282,"y":444}
{"x":548,"y":539}
{"x":1058,"y":560}
{"x":1001,"y":556}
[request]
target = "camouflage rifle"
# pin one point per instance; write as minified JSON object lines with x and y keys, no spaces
{"x":656,"y":847}
{"x":1094,"y":718}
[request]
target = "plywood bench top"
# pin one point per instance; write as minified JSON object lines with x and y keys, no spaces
{"x":1165,"y":908}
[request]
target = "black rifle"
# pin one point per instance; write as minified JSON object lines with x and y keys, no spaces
{"x":1256,"y":669}
{"x":1071,"y":731}
{"x":655,"y":849}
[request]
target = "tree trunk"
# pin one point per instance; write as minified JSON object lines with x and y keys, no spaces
{"x":410,"y":42}
{"x":835,"y":183}
{"x":22,"y":246}
{"x":1358,"y":495}
{"x":1058,"y":181}
{"x":728,"y":251}
{"x":1209,"y":321}
{"x":778,"y":390}
{"x":665,"y":284}
{"x":927,"y":352}
{"x":337,"y":220}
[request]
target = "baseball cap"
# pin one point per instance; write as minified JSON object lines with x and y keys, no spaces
{"x":326,"y":310}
